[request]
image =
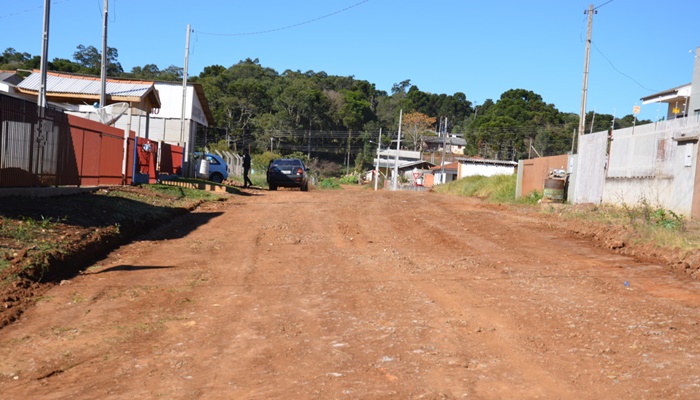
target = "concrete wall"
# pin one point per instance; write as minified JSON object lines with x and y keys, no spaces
{"x":674,"y":192}
{"x":590,"y":168}
{"x":694,"y":107}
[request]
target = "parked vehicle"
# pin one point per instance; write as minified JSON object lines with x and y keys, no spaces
{"x":211,"y":167}
{"x":287,"y":172}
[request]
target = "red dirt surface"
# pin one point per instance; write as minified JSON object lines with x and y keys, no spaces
{"x":359,"y":295}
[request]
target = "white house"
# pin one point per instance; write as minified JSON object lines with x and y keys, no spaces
{"x":151,"y":109}
{"x":166,"y":124}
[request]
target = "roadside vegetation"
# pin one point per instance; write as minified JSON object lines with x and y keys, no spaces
{"x":642,"y":223}
{"x":46,"y":240}
{"x":35,"y":231}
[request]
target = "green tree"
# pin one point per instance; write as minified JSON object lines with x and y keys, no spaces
{"x":90,"y":60}
{"x":12,"y":59}
{"x":64,"y":65}
{"x":507,"y":128}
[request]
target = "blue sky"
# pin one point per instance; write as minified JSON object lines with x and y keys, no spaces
{"x":480,"y":48}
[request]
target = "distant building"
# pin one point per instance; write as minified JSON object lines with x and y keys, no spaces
{"x":683,"y":101}
{"x":445,"y":174}
{"x":484,"y":167}
{"x":452,"y":144}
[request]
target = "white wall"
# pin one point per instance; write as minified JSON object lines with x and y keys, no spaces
{"x":674,"y":192}
{"x":171,"y":103}
{"x":469,"y":169}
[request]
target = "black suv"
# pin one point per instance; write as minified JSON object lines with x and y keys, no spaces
{"x":287,"y":172}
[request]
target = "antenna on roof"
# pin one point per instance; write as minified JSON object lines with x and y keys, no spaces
{"x":109,"y":114}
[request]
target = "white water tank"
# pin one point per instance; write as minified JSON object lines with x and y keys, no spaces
{"x":203,"y":170}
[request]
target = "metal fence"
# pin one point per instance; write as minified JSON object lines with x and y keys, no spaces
{"x":34,"y":145}
{"x":45,"y":147}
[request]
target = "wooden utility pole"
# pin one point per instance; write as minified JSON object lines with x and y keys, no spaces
{"x":582,"y":118}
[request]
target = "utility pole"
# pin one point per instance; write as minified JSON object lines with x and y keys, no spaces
{"x":582,"y":117}
{"x":444,"y":145}
{"x":376,"y":170}
{"x":396,"y":156}
{"x":41,"y":101}
{"x":184,"y":87}
{"x":347,"y":165}
{"x":103,"y":70}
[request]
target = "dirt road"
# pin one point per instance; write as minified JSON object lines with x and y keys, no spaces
{"x":359,"y":295}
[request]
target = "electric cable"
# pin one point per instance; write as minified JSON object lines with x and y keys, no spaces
{"x":288,"y":26}
{"x":606,"y":3}
{"x":620,"y":72}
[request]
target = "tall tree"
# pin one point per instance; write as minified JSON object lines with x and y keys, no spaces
{"x":415,"y":126}
{"x":508,"y":127}
{"x":90,"y":59}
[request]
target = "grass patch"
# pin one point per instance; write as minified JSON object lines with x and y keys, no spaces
{"x":329,"y":183}
{"x":498,"y":188}
{"x":259,"y":180}
{"x":33,"y":231}
{"x":646,"y":222}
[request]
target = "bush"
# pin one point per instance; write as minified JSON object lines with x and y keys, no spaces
{"x":329,"y":183}
{"x":349,"y":180}
{"x":259,"y":162}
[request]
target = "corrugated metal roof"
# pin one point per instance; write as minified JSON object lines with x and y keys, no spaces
{"x":453,"y":141}
{"x":486,"y":161}
{"x":452,"y":166}
{"x":10,"y":77}
{"x":59,"y":83}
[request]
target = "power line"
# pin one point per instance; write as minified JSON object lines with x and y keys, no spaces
{"x":33,"y":9}
{"x":620,"y":72}
{"x":288,"y":26}
{"x":606,"y":3}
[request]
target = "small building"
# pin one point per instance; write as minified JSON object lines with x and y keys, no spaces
{"x":484,"y":167}
{"x":389,"y":157}
{"x":677,"y":100}
{"x":445,"y":174}
{"x":452,"y":144}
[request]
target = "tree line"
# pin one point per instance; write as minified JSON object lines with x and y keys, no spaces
{"x":331,"y":116}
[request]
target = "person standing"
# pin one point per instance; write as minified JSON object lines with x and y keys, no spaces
{"x":246,"y":169}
